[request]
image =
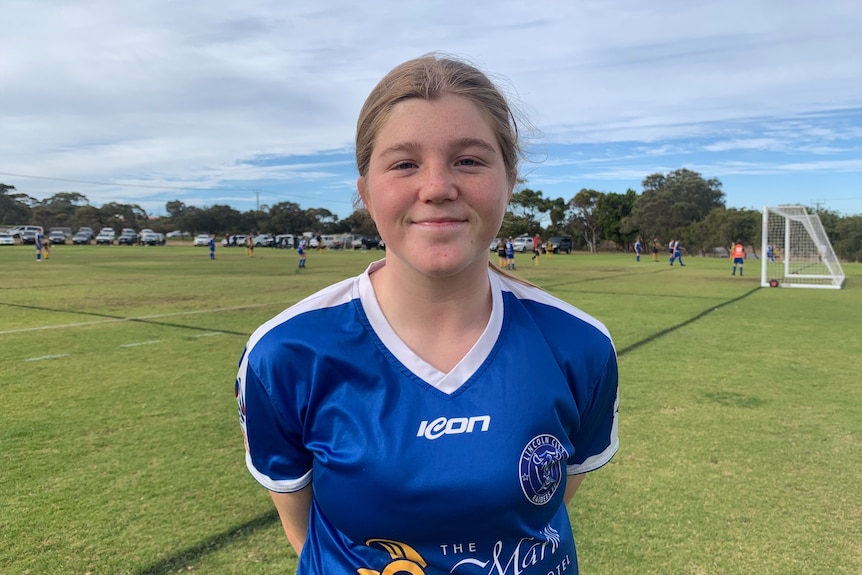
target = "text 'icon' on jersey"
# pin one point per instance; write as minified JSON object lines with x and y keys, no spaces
{"x":452,"y":426}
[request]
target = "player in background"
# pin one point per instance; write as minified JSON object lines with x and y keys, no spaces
{"x":394,"y":416}
{"x":249,"y":245}
{"x":211,"y":244}
{"x":501,"y":252}
{"x":38,"y":242}
{"x":638,"y":250}
{"x":537,"y":249}
{"x":510,"y":254}
{"x":655,"y":250}
{"x":770,"y":253}
{"x":300,"y":250}
{"x":676,"y":252}
{"x":737,"y":254}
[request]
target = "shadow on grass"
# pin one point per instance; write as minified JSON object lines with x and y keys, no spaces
{"x":689,"y":321}
{"x":121,"y":318}
{"x":182,"y":558}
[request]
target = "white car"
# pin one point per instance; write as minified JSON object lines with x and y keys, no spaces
{"x":523,"y":244}
{"x":202,"y":240}
{"x":6,"y":239}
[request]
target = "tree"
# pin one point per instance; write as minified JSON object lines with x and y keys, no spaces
{"x":670,"y":203}
{"x":612,"y":211}
{"x":723,"y":227}
{"x":847,"y":238}
{"x":288,"y":217}
{"x":59,"y":209}
{"x":117,"y":215}
{"x":360,"y":222}
{"x":175,"y":209}
{"x":585,"y":216}
{"x":14,"y":209}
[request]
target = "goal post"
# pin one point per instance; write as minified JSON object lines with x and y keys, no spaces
{"x":796,"y":251}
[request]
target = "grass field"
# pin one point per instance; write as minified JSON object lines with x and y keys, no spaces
{"x":120,"y":450}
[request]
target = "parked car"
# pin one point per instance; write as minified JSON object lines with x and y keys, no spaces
{"x":284,"y":241}
{"x":151,"y":238}
{"x":264,"y":241}
{"x":57,"y":237}
{"x":562,"y":244}
{"x":81,"y":239}
{"x":18,"y":231}
{"x":201,"y":240}
{"x":6,"y":239}
{"x":28,"y":237}
{"x":234,"y":240}
{"x":67,"y":232}
{"x":331,"y":242}
{"x":523,"y":243}
{"x":89,"y":231}
{"x":178,"y":234}
{"x":370,"y":242}
{"x":128,"y":237}
{"x":106,"y":237}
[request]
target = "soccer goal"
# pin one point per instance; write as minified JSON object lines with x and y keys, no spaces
{"x":796,"y":251}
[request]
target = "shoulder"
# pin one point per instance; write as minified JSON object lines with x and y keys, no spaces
{"x":300,"y":323}
{"x":558,"y":321}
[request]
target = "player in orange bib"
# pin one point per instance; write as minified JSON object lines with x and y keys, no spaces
{"x":737,"y":254}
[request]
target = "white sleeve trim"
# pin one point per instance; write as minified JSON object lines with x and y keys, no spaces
{"x":277,"y":485}
{"x":594,"y":462}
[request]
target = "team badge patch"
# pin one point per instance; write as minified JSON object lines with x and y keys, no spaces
{"x":541,"y":468}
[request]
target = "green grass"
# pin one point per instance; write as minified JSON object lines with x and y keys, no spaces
{"x":120,"y":450}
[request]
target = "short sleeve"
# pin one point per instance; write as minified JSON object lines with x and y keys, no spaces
{"x":272,"y":430}
{"x":596,"y":440}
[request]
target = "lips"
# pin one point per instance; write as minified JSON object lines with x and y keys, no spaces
{"x":440,"y":221}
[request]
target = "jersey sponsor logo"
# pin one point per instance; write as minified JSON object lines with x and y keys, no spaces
{"x":405,"y":559}
{"x":452,"y":426}
{"x":526,"y":554}
{"x":541,"y":468}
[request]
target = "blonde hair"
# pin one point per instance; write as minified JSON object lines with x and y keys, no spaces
{"x":429,"y":77}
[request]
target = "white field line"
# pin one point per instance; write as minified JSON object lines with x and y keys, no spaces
{"x":114,"y":320}
{"x":136,"y":344}
{"x":44,"y":357}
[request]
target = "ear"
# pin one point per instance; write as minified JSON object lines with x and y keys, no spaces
{"x":362,"y":190}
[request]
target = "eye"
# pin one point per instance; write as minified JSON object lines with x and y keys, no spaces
{"x":404,"y":165}
{"x":467,"y":162}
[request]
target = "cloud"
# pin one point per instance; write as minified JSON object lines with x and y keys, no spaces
{"x":221,"y":94}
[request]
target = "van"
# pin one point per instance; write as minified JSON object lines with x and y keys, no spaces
{"x":18,"y":230}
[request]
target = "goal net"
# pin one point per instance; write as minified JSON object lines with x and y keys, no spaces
{"x":796,"y":251}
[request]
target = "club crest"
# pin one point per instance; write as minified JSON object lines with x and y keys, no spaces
{"x":541,"y":468}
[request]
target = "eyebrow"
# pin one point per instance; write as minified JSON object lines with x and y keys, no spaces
{"x":460,"y":143}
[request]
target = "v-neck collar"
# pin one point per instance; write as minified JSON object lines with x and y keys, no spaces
{"x":464,"y":369}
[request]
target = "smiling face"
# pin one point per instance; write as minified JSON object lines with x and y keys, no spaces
{"x":436,"y":186}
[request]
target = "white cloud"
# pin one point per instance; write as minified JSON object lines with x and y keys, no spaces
{"x":194,"y":91}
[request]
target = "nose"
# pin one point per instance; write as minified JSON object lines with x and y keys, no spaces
{"x":438,"y":183}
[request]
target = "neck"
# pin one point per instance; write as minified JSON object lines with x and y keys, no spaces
{"x":439,"y":318}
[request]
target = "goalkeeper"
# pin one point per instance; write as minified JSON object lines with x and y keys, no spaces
{"x":737,"y":254}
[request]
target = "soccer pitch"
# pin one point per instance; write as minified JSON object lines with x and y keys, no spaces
{"x":120,"y":449}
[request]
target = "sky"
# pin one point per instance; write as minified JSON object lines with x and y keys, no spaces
{"x":251,"y":103}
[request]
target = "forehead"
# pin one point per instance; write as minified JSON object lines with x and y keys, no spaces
{"x":448,"y":114}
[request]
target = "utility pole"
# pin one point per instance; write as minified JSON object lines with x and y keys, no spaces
{"x":257,"y":209}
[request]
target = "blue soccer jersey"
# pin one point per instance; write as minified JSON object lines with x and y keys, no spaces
{"x":419,"y":471}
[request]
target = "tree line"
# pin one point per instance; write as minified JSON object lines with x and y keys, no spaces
{"x":680,"y":205}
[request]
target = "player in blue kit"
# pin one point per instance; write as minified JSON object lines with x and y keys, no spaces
{"x":395,"y":417}
{"x":300,"y":250}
